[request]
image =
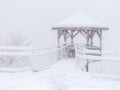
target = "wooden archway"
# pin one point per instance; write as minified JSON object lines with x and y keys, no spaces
{"x":87,"y":33}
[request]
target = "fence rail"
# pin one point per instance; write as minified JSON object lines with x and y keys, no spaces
{"x":23,"y":58}
{"x":107,"y":64}
{"x":18,"y":58}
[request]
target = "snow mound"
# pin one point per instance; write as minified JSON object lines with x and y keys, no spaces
{"x":64,"y":66}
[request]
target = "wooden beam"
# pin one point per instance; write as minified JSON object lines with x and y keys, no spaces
{"x":58,"y":37}
{"x":91,"y":37}
{"x":59,"y":34}
{"x":83,"y":33}
{"x":76,"y":33}
{"x":70,"y":33}
{"x":92,"y":33}
{"x":79,"y":28}
{"x":101,"y":39}
{"x":88,"y":37}
{"x":72,"y":36}
{"x":99,"y":33}
{"x":65,"y":36}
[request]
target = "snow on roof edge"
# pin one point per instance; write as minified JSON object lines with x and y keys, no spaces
{"x":79,"y":20}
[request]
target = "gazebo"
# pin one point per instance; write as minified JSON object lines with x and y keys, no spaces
{"x":80,"y":23}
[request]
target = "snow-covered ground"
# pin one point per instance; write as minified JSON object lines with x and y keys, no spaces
{"x":63,"y":75}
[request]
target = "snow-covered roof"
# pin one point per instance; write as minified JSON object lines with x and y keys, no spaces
{"x":79,"y":20}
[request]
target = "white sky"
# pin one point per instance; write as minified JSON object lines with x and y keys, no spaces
{"x":34,"y":18}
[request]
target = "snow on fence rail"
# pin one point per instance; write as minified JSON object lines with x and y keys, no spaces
{"x":14,"y":59}
{"x":107,"y":65}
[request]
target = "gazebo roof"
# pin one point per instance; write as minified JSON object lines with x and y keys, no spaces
{"x":79,"y":21}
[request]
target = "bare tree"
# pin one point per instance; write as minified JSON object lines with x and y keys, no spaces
{"x":17,"y":40}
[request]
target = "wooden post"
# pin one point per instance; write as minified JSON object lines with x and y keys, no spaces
{"x":91,"y":41}
{"x":101,"y":39}
{"x":91,"y":36}
{"x":87,"y":65}
{"x":65,"y":36}
{"x":58,"y":37}
{"x":71,"y":37}
{"x":88,"y":37}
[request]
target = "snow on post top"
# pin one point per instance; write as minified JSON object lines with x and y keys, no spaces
{"x":80,"y":20}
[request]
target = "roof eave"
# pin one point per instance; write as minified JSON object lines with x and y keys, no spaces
{"x":79,"y":28}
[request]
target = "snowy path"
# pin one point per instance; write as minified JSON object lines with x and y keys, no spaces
{"x":62,"y":76}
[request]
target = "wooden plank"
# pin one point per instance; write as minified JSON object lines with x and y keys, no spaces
{"x":76,"y":33}
{"x":83,"y":33}
{"x":79,"y":28}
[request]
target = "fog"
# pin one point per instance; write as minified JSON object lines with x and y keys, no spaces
{"x":34,"y":18}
